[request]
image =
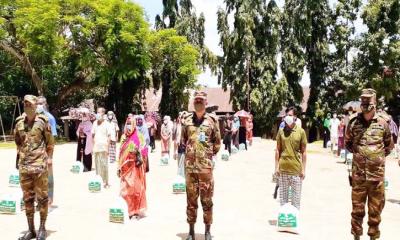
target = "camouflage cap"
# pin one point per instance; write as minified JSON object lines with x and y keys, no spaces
{"x":368,"y":93}
{"x":200,"y":95}
{"x":30,"y":98}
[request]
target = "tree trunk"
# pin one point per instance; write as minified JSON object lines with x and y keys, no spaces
{"x":26,"y":65}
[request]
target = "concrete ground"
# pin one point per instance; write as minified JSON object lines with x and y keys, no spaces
{"x":243,"y":203}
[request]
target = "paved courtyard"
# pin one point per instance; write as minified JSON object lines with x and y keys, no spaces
{"x":243,"y":203}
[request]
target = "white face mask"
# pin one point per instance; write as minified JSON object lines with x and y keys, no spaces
{"x":40,"y":109}
{"x":289,"y":120}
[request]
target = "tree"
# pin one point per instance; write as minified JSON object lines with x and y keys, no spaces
{"x":249,"y":66}
{"x":378,"y":59}
{"x":67,"y":46}
{"x":317,"y":51}
{"x":342,"y":32}
{"x":294,"y":32}
{"x":174,"y":69}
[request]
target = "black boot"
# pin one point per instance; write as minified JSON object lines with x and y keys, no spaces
{"x":191,"y":235}
{"x":31,"y":234}
{"x":207,"y":235}
{"x":42,"y":234}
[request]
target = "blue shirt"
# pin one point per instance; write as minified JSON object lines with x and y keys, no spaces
{"x":52,"y":122}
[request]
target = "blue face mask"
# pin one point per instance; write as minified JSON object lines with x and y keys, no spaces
{"x":98,"y":116}
{"x":129,"y":128}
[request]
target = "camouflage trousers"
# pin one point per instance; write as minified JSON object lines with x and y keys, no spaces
{"x":374,"y":194}
{"x":35,"y":185}
{"x":199,"y":184}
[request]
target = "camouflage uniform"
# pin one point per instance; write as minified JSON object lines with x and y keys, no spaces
{"x":370,"y":142}
{"x":202,"y":140}
{"x":33,"y":142}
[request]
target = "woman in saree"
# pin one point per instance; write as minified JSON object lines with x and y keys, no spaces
{"x":132,"y":170}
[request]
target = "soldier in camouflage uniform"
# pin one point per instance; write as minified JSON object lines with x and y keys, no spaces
{"x":202,"y":140}
{"x":35,"y":145}
{"x":368,"y":137}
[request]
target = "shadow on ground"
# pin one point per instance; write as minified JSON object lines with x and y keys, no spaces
{"x":394,"y":201}
{"x":183,"y":236}
{"x":49,"y":232}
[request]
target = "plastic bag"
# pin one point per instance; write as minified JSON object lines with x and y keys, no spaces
{"x":179,"y":185}
{"x":225,"y":155}
{"x":181,"y":166}
{"x":118,"y":212}
{"x":77,"y":167}
{"x":288,"y":219}
{"x":95,"y":184}
{"x":343,"y":154}
{"x":13,"y":180}
{"x":164,"y":161}
{"x":386,"y":184}
{"x":242,"y":147}
{"x":329,"y":144}
{"x":234,"y":150}
{"x":11,"y":203}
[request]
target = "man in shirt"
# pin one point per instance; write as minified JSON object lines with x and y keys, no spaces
{"x":290,"y":160}
{"x":334,"y":130}
{"x":101,"y":143}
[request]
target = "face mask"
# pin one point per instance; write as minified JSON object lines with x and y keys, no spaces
{"x":30,"y":111}
{"x":40,"y":109}
{"x":367,"y":108}
{"x":129,"y":128}
{"x":289,"y":120}
{"x":98,"y":116}
{"x":199,"y":107}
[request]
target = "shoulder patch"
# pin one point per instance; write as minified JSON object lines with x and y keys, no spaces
{"x":187,"y":118}
{"x":213,"y":117}
{"x":43,"y":117}
{"x":20,"y":118}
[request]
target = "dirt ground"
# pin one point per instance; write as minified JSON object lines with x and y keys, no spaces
{"x":243,"y":203}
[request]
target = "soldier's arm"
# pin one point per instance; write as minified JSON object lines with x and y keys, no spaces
{"x":388,"y":140}
{"x":348,"y":138}
{"x":217,"y":138}
{"x":49,"y":140}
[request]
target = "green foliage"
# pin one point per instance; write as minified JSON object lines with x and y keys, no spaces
{"x":174,"y":68}
{"x":249,"y":66}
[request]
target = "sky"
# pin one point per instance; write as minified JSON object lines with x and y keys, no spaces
{"x":210,"y":8}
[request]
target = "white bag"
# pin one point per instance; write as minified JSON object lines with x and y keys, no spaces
{"x":386,"y":184}
{"x":234,"y":150}
{"x":77,"y":167}
{"x":349,"y":159}
{"x":11,"y":203}
{"x":164,"y":161}
{"x":288,"y":219}
{"x":329,"y":144}
{"x":225,"y":155}
{"x":343,"y":154}
{"x":95,"y":184}
{"x":179,"y":185}
{"x":181,"y":166}
{"x":13,"y":180}
{"x":118,"y":212}
{"x":242,"y":147}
